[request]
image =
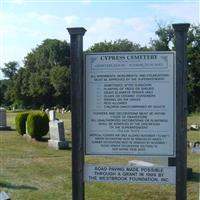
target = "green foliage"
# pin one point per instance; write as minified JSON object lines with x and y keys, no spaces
{"x":40,"y":89}
{"x":193,"y":49}
{"x":116,"y":46}
{"x":3,"y":89}
{"x":49,"y":54}
{"x":20,"y":122}
{"x":60,"y":78}
{"x":7,"y":89}
{"x":37,"y":124}
{"x":39,"y":63}
{"x":22,"y":96}
{"x":10,"y":69}
{"x":165,"y":36}
{"x":38,"y":82}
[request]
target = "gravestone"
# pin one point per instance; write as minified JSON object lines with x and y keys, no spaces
{"x":52,"y":115}
{"x":2,"y":117}
{"x":189,"y":144}
{"x":4,"y":196}
{"x":3,"y":121}
{"x":196,"y":147}
{"x":194,"y":127}
{"x":57,"y":133}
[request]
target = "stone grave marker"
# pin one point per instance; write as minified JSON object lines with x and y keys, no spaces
{"x":57,"y":132}
{"x":196,"y":147}
{"x":194,"y":127}
{"x":4,"y":196}
{"x":2,"y":117}
{"x":3,"y":121}
{"x":52,"y":115}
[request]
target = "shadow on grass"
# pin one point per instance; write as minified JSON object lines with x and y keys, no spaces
{"x":7,"y":130}
{"x":195,"y":177}
{"x":45,"y":139}
{"x":12,"y":129}
{"x":16,"y":187}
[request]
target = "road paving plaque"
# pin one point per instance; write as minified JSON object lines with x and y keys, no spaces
{"x":130,"y":104}
{"x":130,"y":174}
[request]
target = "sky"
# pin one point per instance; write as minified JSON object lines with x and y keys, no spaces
{"x":24,"y":24}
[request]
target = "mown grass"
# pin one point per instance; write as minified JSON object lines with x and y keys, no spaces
{"x":29,"y":170}
{"x":193,"y":118}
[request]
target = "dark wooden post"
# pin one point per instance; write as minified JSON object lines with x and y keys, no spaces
{"x":181,"y":110}
{"x":76,"y":53}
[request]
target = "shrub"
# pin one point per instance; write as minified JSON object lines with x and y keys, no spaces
{"x":37,"y":124}
{"x":20,"y":122}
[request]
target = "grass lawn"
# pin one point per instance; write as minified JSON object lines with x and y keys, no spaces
{"x":29,"y":170}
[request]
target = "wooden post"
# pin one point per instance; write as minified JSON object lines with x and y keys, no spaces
{"x":76,"y":53}
{"x":181,"y":110}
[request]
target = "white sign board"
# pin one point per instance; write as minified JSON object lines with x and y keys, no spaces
{"x":127,"y":174}
{"x":130,"y":104}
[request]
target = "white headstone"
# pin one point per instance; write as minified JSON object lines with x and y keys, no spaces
{"x":194,"y":127}
{"x":52,"y":115}
{"x":57,"y":135}
{"x":4,"y":196}
{"x":47,"y":110}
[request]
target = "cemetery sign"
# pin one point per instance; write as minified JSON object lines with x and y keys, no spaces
{"x":130,"y":103}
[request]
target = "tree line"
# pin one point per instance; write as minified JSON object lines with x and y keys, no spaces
{"x":44,"y":81}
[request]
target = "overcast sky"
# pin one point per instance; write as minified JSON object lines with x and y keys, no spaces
{"x":24,"y":24}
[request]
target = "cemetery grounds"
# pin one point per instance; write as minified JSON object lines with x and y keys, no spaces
{"x":29,"y":170}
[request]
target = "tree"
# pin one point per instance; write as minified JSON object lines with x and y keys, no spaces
{"x":32,"y":86}
{"x":40,"y":88}
{"x":116,"y":46}
{"x":10,"y":69}
{"x":22,"y":98}
{"x":7,"y":89}
{"x":193,"y":48}
{"x":50,"y":53}
{"x":3,"y":89}
{"x":60,"y":78}
{"x":165,"y":36}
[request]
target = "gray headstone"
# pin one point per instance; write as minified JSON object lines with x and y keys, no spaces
{"x":195,"y":150}
{"x":3,"y":121}
{"x":196,"y":147}
{"x":52,"y":115}
{"x":57,"y":130}
{"x":2,"y":117}
{"x":57,"y":135}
